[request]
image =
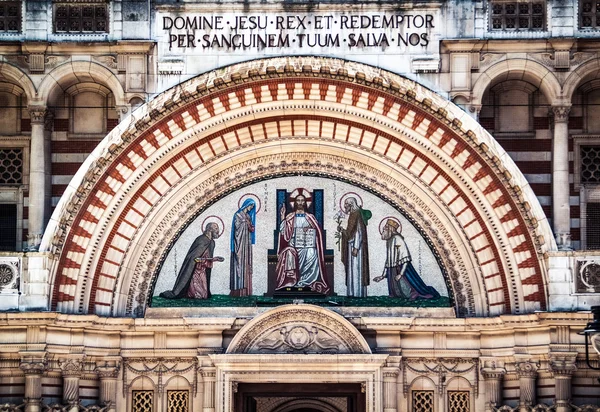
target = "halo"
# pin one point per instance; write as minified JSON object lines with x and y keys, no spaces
{"x":214,"y":219}
{"x":250,"y":196}
{"x":297,"y":192}
{"x":350,"y":194}
{"x":385,"y":219}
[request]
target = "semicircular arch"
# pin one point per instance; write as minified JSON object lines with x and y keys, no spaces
{"x":517,"y":69}
{"x":582,"y":74}
{"x":211,"y":126}
{"x":68,"y":74}
{"x":13,"y":75}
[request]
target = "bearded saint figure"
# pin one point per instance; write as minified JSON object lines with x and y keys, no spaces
{"x":300,"y":257}
{"x":355,"y":248}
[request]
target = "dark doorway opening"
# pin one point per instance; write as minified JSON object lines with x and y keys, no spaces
{"x":249,"y":395}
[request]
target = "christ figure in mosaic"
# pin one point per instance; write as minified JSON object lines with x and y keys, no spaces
{"x":300,"y":258}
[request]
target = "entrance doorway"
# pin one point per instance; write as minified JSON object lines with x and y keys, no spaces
{"x":300,"y":397}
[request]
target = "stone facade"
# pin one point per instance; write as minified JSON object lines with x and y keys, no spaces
{"x":121,"y":122}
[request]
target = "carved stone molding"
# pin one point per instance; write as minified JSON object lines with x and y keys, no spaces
{"x":158,"y":369}
{"x":108,"y":60}
{"x":299,"y":329}
{"x":440,"y":370}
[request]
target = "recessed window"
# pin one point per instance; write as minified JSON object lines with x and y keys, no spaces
{"x":142,"y":401}
{"x":10,"y":17}
{"x":178,"y":401}
{"x":80,"y":18}
{"x":517,"y":15}
{"x":589,"y":14}
{"x":8,"y":227}
{"x":590,"y":164}
{"x":422,"y":401}
{"x":458,"y":401}
{"x":11,"y":167}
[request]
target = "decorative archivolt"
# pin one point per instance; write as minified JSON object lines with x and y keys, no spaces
{"x":372,"y":117}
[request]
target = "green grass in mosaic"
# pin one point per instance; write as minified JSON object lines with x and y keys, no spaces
{"x":254,"y":301}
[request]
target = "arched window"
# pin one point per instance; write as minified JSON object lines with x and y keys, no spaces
{"x":11,"y":104}
{"x":91,"y":109}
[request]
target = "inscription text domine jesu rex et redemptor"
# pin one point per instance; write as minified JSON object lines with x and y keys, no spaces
{"x":238,"y":31}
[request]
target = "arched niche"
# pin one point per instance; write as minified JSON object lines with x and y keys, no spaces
{"x":203,"y":139}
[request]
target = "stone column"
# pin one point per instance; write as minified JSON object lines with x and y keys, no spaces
{"x":562,"y":367}
{"x":390,"y":386}
{"x":527,"y":372}
{"x":33,"y":370}
{"x":493,"y":386}
{"x":71,"y":370}
{"x":561,"y":210}
{"x":209,"y":377}
{"x":108,"y":373}
{"x":39,"y":171}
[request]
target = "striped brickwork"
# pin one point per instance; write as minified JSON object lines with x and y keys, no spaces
{"x":412,"y":133}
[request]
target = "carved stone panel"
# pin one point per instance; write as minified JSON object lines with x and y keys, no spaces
{"x":299,"y":329}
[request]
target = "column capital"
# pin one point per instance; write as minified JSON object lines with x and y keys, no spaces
{"x":493,"y":373}
{"x":390,"y":372}
{"x":563,"y":364}
{"x":34,"y":367}
{"x":561,"y":113}
{"x":526,"y":369}
{"x":71,"y":367}
{"x":209,"y":373}
{"x":37,"y":114}
{"x":107,"y":370}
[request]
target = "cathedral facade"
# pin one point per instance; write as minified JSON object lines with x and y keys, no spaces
{"x":297,"y":206}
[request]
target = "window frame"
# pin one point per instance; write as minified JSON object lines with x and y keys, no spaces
{"x":594,"y":15}
{"x":517,"y":15}
{"x":74,"y":3}
{"x":20,"y":5}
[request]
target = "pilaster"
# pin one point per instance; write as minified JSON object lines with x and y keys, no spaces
{"x":493,"y":377}
{"x":108,"y":372}
{"x":209,"y":377}
{"x":390,"y":384}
